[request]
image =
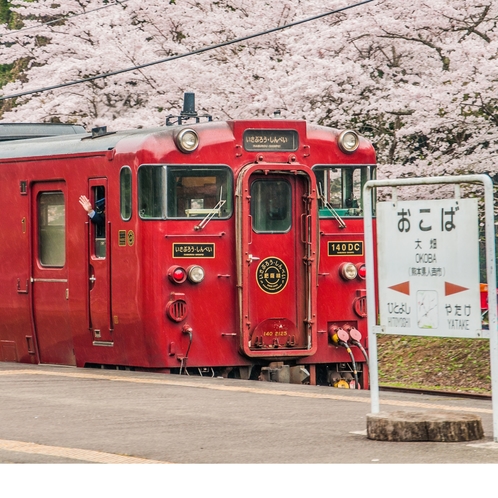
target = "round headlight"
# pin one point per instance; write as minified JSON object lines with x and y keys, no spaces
{"x":187,"y":140}
{"x":348,"y":271}
{"x":195,"y":274}
{"x":349,"y":141}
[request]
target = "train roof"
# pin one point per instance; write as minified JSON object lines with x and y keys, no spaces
{"x":99,"y":140}
{"x":23,"y":131}
{"x":74,"y":143}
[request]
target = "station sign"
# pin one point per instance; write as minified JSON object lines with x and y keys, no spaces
{"x":428,"y":263}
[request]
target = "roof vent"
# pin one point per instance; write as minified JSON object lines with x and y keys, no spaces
{"x":99,"y":131}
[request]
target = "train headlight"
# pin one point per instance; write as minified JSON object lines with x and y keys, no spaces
{"x":349,"y":141}
{"x":195,"y":273}
{"x":177,"y":274}
{"x":348,"y":271}
{"x":187,"y":140}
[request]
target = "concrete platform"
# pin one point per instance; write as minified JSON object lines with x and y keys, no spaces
{"x":62,"y":415}
{"x":191,"y":419}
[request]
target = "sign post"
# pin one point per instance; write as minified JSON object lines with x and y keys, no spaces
{"x":428,"y":270}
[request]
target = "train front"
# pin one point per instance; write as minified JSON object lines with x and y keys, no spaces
{"x":251,"y":237}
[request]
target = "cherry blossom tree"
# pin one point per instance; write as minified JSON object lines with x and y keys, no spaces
{"x":418,"y":79}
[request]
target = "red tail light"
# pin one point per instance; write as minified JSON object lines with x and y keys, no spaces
{"x":362,"y":270}
{"x":177,"y":274}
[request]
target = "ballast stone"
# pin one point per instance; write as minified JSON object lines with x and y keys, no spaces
{"x":438,"y":426}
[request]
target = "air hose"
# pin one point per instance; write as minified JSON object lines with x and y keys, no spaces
{"x":355,"y":372}
{"x":186,"y":330}
{"x":340,"y":336}
{"x":355,"y":338}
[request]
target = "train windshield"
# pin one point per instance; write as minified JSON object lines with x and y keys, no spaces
{"x":185,"y":192}
{"x":340,"y":189}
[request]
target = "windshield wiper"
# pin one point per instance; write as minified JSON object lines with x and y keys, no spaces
{"x":210,"y":213}
{"x":335,"y":214}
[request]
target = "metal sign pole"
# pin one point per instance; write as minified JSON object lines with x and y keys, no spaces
{"x":492,"y":312}
{"x":373,"y":329}
{"x":373,"y":373}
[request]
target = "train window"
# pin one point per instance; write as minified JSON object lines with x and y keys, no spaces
{"x":100,"y":225}
{"x":150,"y":192}
{"x":52,"y":229}
{"x":125,"y":192}
{"x":197,"y":192}
{"x":184,"y":192}
{"x":340,"y":190}
{"x":271,"y":206}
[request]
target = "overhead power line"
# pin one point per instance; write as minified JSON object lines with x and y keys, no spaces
{"x":63,"y":18}
{"x":187,"y":54}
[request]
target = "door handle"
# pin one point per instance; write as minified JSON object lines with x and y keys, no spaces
{"x":252,"y":258}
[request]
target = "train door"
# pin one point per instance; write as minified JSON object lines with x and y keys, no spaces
{"x":277,"y":261}
{"x":99,"y":278}
{"x":50,"y":274}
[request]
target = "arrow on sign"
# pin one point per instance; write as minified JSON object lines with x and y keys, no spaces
{"x":404,"y":288}
{"x":453,"y":289}
{"x":449,"y":288}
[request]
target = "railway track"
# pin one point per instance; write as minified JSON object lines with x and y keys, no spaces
{"x":432,"y":392}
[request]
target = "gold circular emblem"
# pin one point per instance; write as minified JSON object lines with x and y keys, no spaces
{"x":131,"y":237}
{"x":272,"y":275}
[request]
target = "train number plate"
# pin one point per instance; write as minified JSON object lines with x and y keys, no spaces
{"x":193,"y":250}
{"x":346,"y":248}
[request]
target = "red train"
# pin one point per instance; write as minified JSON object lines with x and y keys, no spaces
{"x":227,"y":248}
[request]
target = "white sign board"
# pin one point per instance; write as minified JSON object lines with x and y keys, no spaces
{"x":428,"y":268}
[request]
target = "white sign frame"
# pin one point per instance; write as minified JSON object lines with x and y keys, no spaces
{"x":373,"y":328}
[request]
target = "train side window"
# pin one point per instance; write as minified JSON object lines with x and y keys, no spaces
{"x":151,"y":192}
{"x":271,"y":206}
{"x":99,"y":229}
{"x":199,"y":191}
{"x":125,"y":192}
{"x":52,"y":229}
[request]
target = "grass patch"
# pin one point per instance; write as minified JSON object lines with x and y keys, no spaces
{"x":442,"y":364}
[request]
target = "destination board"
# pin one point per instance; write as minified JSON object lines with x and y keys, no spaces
{"x":271,"y":140}
{"x":193,"y":250}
